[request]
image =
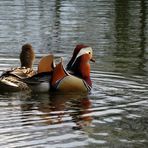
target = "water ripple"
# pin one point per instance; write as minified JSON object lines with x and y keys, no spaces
{"x":114,"y":114}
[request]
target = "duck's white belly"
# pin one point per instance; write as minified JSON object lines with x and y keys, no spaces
{"x":41,"y":87}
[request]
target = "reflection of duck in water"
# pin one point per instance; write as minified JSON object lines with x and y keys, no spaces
{"x":81,"y":116}
{"x":58,"y":109}
{"x":11,"y":80}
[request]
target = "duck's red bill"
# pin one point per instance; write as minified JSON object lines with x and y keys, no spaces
{"x":92,"y":59}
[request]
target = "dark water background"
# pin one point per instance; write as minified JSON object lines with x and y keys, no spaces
{"x":115,"y":114}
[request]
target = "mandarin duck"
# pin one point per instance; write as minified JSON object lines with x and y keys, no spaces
{"x":76,"y":77}
{"x":11,"y":80}
{"x":54,"y":77}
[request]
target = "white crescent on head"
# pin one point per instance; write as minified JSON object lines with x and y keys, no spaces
{"x":87,"y":50}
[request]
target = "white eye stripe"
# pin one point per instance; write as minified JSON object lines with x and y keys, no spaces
{"x":87,"y":50}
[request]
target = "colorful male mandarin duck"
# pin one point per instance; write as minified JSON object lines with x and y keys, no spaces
{"x":11,"y":80}
{"x":54,"y":77}
{"x":77,"y":75}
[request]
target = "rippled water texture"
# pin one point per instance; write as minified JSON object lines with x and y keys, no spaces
{"x":115,"y":114}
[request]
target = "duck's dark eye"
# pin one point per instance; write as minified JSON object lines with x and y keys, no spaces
{"x":89,"y":53}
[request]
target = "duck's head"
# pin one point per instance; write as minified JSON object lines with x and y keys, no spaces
{"x":79,"y":51}
{"x":79,"y":63}
{"x":75,"y":53}
{"x":27,"y":56}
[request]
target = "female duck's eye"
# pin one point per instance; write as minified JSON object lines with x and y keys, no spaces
{"x":89,"y":53}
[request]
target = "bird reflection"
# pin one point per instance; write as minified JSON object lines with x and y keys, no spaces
{"x":57,"y":108}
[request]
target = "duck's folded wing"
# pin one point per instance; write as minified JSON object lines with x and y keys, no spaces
{"x":38,"y":78}
{"x":12,"y":83}
{"x":20,"y":73}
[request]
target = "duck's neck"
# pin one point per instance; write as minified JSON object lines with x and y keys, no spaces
{"x":82,"y":69}
{"x":27,"y":56}
{"x":85,"y":73}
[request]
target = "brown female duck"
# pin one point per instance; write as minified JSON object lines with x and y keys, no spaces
{"x":11,"y":80}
